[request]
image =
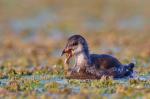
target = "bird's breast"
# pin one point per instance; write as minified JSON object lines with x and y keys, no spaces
{"x":82,"y":60}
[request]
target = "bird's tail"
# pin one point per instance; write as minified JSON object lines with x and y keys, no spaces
{"x":129,"y":69}
{"x":131,"y":66}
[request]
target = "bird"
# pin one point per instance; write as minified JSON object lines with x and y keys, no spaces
{"x":92,"y":66}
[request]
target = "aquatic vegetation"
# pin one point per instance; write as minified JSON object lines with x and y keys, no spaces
{"x":33,"y":34}
{"x":139,"y":83}
{"x":52,"y":85}
{"x":103,"y":82}
{"x":2,"y":75}
{"x":13,"y":86}
{"x":33,"y":72}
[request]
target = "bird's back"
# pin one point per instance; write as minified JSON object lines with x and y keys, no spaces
{"x":103,"y":61}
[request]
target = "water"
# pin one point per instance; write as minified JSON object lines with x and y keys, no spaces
{"x":64,"y":82}
{"x":48,"y":21}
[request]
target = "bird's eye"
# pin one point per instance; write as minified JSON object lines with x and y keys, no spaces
{"x":75,"y":43}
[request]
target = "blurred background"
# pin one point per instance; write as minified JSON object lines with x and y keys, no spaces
{"x":33,"y":32}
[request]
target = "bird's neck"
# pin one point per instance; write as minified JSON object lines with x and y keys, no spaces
{"x":83,"y":58}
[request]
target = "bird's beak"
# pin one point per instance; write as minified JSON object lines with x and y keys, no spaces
{"x":63,"y":52}
{"x":66,"y":50}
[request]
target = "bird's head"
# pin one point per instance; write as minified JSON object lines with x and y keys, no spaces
{"x":75,"y":44}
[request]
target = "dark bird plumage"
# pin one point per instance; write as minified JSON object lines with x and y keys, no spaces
{"x":92,"y":66}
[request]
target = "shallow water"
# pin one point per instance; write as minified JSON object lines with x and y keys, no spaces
{"x":65,"y":82}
